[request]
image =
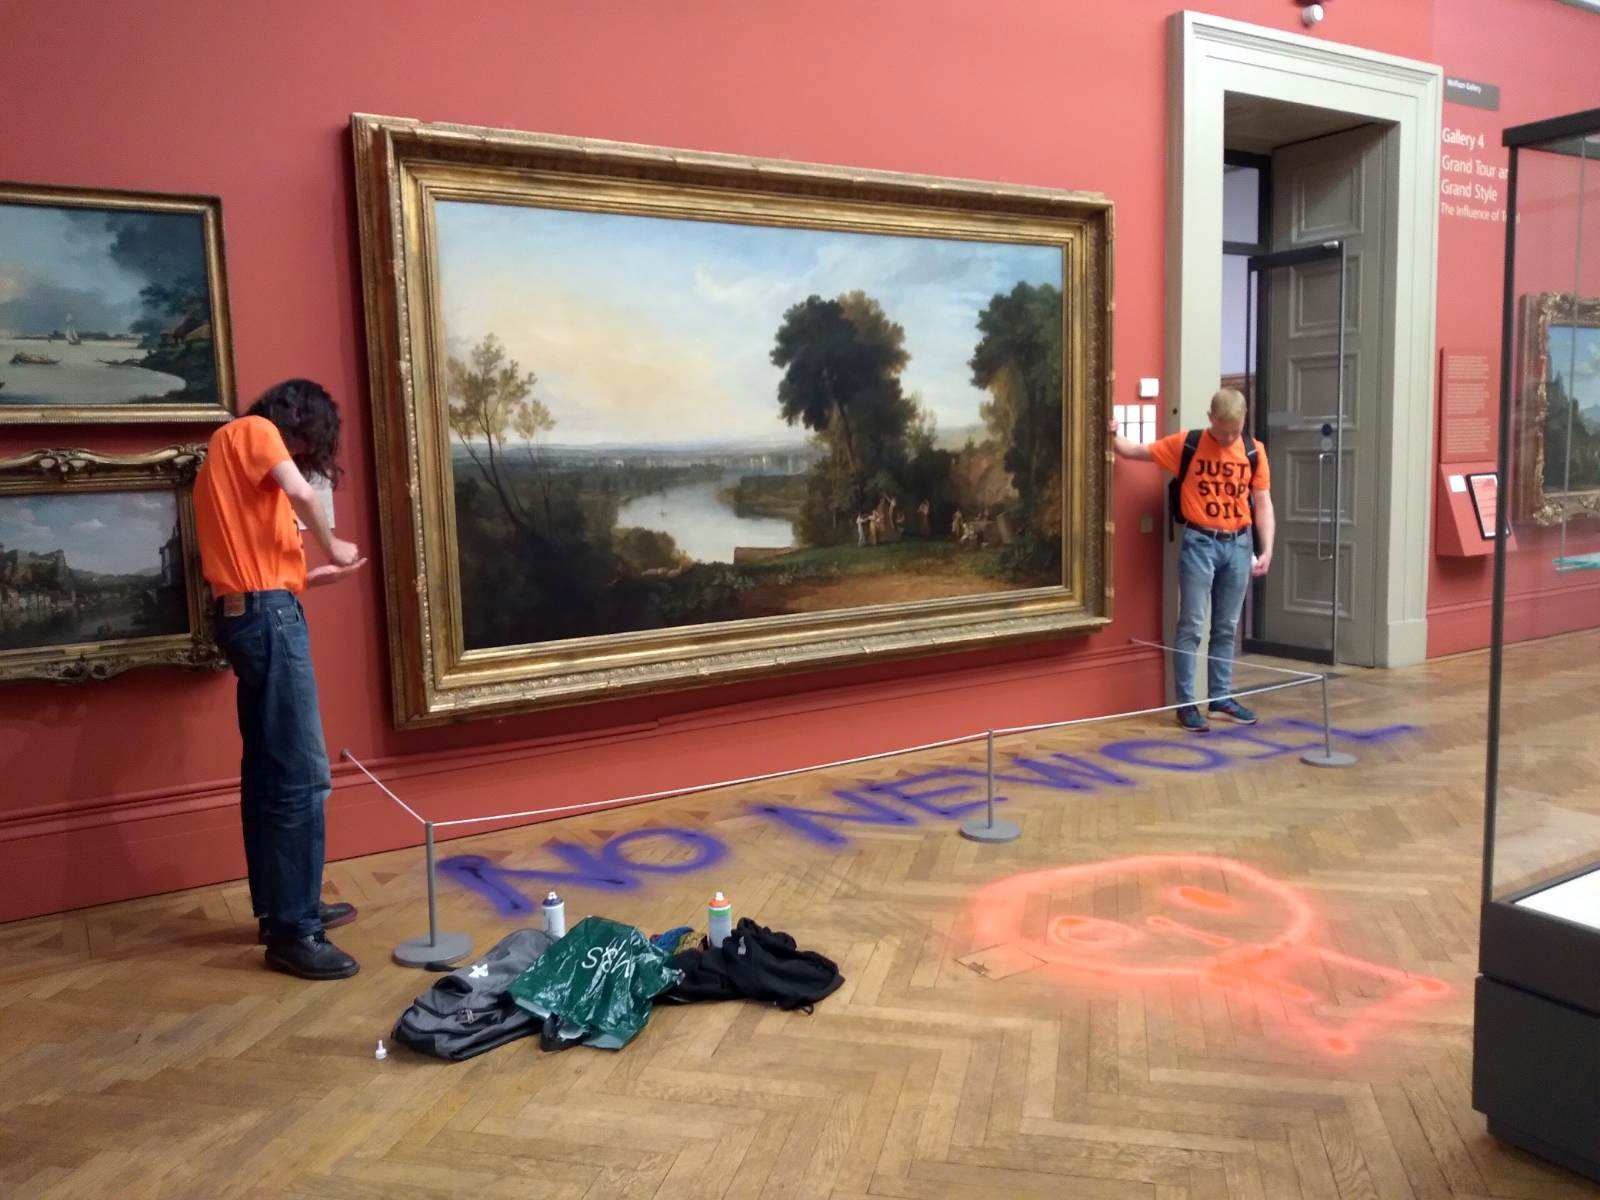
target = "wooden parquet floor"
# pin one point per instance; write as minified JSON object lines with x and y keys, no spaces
{"x":1200,"y":973}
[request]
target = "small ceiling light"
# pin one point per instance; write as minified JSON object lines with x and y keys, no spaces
{"x":1311,"y":14}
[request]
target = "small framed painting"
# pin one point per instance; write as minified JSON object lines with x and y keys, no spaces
{"x":99,"y":567}
{"x":113,"y":307}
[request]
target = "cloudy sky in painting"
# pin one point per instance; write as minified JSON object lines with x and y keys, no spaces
{"x":656,"y":330}
{"x":1575,"y":358}
{"x":115,"y":533}
{"x":88,"y":264}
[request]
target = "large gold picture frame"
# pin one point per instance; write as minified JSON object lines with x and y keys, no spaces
{"x":102,"y":570}
{"x":115,"y":309}
{"x":1558,"y":439}
{"x":455,"y":408}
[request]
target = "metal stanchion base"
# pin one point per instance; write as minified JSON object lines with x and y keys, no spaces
{"x":445,"y":949}
{"x":1000,"y":831}
{"x":1328,"y":758}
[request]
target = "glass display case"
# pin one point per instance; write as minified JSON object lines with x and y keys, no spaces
{"x":1537,"y":1028}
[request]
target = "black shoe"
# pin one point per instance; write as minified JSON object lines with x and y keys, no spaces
{"x":310,"y":957}
{"x":331,"y":915}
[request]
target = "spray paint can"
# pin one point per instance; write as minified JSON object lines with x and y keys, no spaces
{"x":719,"y":919}
{"x":555,"y":915}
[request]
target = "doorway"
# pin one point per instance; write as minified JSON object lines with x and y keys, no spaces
{"x":1344,"y":143}
{"x":1307,"y":214}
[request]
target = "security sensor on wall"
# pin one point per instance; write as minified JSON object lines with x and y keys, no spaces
{"x":1311,"y":14}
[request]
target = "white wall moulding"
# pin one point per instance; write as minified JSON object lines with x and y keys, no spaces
{"x":1210,"y":58}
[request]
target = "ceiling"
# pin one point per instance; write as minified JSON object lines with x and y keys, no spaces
{"x":1260,"y":126}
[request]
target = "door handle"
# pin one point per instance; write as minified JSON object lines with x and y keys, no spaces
{"x":1322,"y":462}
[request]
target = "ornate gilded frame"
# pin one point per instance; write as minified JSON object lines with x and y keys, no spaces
{"x":403,"y":167}
{"x":1535,"y":503}
{"x":209,"y":210}
{"x":51,"y":472}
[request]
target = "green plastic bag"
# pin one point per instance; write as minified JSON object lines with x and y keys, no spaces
{"x":595,"y":985}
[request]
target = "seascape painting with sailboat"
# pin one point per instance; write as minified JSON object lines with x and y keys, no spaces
{"x":105,"y":307}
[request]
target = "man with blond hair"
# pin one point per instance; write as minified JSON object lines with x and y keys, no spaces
{"x":1225,"y":508}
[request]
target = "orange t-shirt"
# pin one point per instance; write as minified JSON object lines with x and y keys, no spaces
{"x":1214,"y":493}
{"x":249,"y":539}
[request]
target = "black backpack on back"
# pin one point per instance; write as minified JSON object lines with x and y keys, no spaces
{"x":1191,"y":443}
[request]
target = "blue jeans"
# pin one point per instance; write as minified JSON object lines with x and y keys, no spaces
{"x":283,"y":775}
{"x":1214,"y":573}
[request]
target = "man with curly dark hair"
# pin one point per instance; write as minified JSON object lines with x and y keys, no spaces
{"x":247,"y":495}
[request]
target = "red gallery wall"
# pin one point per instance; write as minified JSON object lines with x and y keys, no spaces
{"x":1534,"y":51}
{"x":127,"y":787}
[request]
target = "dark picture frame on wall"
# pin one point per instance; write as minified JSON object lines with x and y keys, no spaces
{"x":99,"y":565}
{"x":114,"y":309}
{"x":1558,"y":416}
{"x":650,"y":419}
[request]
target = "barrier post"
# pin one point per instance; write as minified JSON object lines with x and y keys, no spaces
{"x":1327,"y":756}
{"x":437,"y":949}
{"x":991,"y":830}
{"x":443,"y":949}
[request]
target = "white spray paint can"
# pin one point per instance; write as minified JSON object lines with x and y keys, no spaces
{"x":719,"y":920}
{"x":555,"y":915}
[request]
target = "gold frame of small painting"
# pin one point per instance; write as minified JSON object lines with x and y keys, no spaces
{"x":102,"y":573}
{"x":134,"y":329}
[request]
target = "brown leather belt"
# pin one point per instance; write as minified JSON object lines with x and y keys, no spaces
{"x":236,"y":604}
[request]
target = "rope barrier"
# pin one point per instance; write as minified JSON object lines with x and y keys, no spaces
{"x":1302,"y":678}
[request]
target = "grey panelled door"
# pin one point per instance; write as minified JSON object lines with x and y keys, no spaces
{"x":1333,"y":187}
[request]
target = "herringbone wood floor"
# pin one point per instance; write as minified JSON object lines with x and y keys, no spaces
{"x":145,"y":1052}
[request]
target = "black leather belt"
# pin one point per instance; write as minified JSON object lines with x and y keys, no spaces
{"x":1219,"y":534}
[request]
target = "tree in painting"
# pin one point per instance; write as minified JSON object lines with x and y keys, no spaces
{"x":1018,"y":359}
{"x":1572,"y":442}
{"x":491,"y":399}
{"x":842,"y":360}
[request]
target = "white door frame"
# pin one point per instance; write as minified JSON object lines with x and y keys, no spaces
{"x":1209,"y":57}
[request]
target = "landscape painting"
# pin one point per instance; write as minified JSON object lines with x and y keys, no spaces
{"x":660,"y":422}
{"x":98,"y":567}
{"x":1572,"y":419}
{"x":648,"y":419}
{"x":90,"y":567}
{"x":1559,"y":452}
{"x":111,"y":308}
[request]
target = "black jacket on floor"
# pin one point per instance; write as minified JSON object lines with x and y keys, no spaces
{"x":755,"y":963}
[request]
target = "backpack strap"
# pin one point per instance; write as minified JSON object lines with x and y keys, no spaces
{"x":1191,"y":443}
{"x":1252,"y":451}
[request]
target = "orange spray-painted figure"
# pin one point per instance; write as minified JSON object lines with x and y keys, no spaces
{"x":1165,"y":918}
